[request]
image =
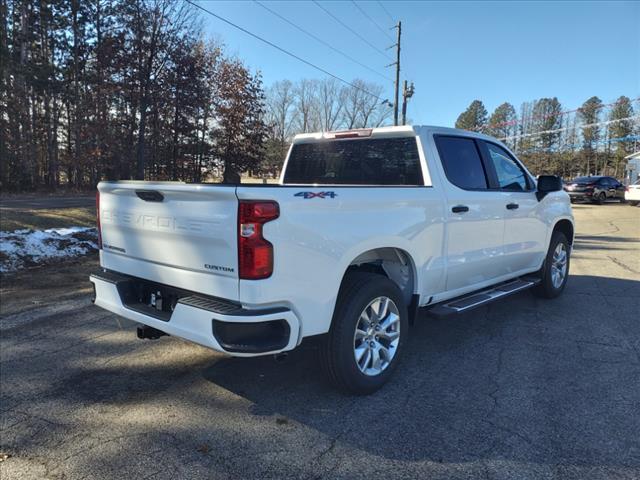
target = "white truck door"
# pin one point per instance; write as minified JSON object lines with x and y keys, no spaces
{"x":475,"y":215}
{"x":525,"y":231}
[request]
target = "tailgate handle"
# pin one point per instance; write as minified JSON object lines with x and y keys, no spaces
{"x":150,"y":195}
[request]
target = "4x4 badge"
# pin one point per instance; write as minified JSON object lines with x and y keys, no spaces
{"x":308,"y":195}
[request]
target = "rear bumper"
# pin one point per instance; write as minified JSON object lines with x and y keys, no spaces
{"x":214,"y":323}
{"x":580,"y":195}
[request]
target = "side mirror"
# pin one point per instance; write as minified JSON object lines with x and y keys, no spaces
{"x":548,"y":184}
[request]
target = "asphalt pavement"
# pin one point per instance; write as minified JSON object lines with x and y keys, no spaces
{"x":523,"y":388}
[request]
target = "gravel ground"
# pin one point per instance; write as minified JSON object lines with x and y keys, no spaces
{"x":524,"y":388}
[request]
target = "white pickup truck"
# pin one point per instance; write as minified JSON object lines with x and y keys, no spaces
{"x":365,"y":227}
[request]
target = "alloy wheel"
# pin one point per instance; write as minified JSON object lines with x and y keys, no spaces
{"x":375,"y":341}
{"x":559,"y":265}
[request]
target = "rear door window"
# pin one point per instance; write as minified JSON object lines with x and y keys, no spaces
{"x":383,"y":161}
{"x":462,"y":162}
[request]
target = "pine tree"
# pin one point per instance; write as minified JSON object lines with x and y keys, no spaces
{"x":589,"y":114}
{"x":619,"y":130}
{"x":502,"y":122}
{"x":473,"y":118}
{"x":547,"y":120}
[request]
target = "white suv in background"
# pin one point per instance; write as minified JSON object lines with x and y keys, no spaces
{"x":632,"y":193}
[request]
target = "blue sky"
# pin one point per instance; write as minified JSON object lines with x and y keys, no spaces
{"x":454,"y":52}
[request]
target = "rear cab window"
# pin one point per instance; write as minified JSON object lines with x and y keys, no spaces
{"x":462,"y":162}
{"x":370,"y":161}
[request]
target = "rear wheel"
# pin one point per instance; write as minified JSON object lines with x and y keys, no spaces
{"x":600,"y":199}
{"x":367,"y":335}
{"x":633,"y":203}
{"x":555,"y":271}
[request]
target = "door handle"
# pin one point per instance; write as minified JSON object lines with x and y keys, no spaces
{"x":460,"y":209}
{"x":512,"y":206}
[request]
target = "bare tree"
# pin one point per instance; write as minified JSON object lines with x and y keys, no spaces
{"x":330,"y":104}
{"x":280,"y":109}
{"x":306,"y":105}
{"x":362,"y":105}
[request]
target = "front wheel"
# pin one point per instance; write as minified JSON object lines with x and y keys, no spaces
{"x":600,"y":199}
{"x":367,"y":335}
{"x":555,"y":271}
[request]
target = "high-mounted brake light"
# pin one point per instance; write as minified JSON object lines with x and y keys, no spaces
{"x":98,"y":220}
{"x":361,"y":132}
{"x":255,"y":253}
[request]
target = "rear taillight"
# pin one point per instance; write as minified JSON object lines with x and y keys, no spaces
{"x":255,"y":253}
{"x":98,"y":220}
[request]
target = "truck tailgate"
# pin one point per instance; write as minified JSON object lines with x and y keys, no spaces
{"x":179,"y":234}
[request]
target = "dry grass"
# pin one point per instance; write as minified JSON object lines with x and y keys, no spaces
{"x":41,"y":219}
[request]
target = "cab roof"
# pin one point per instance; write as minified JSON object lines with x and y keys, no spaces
{"x":382,"y":132}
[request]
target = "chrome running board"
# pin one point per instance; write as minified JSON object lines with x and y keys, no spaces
{"x":482,"y":297}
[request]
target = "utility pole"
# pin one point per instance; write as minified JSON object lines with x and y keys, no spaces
{"x":407,"y":93}
{"x":397,"y":64}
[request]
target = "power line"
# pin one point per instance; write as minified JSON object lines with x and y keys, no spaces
{"x":318,"y":39}
{"x":385,"y":11}
{"x":549,"y":115}
{"x":351,"y":30}
{"x":372,"y":20}
{"x":287,"y":52}
{"x":582,"y":127}
{"x":628,"y":138}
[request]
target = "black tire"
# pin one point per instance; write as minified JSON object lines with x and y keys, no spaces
{"x":633,"y":203}
{"x":602,"y":197}
{"x":358,"y":290}
{"x":546,"y":288}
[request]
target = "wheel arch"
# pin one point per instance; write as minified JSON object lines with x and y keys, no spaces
{"x":566,"y":227}
{"x":395,"y":263}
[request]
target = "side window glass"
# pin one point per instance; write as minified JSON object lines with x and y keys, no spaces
{"x":510,"y":175}
{"x":462,"y":162}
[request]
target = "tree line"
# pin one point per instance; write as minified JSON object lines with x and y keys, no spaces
{"x":119,"y":89}
{"x":592,"y":140}
{"x":129,"y":89}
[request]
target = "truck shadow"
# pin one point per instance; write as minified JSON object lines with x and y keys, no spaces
{"x":524,"y":379}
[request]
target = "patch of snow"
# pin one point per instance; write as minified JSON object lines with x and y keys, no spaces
{"x":22,"y":248}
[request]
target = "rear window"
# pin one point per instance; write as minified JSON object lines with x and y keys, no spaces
{"x":462,"y":162}
{"x":585,"y":179}
{"x":383,"y":161}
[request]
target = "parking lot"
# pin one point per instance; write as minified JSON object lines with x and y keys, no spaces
{"x":524,"y":388}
